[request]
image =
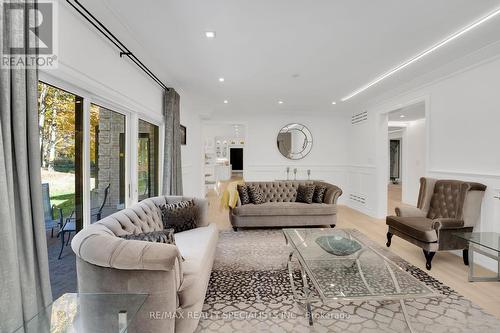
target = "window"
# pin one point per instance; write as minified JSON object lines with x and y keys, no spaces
{"x":61,"y":127}
{"x":107,"y":162}
{"x":147,"y":160}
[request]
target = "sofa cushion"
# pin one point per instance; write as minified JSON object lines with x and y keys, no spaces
{"x":319,"y":193}
{"x":420,"y":228}
{"x":197,"y":247}
{"x":179,"y":216}
{"x":165,"y":236}
{"x":243,"y":194}
{"x":256,"y":195}
{"x":285,"y":209}
{"x":305,"y":194}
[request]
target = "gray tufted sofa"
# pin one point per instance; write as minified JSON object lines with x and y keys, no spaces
{"x":175,"y":276}
{"x":281,"y":210}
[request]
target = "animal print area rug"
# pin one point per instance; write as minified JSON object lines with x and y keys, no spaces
{"x":249,"y":291}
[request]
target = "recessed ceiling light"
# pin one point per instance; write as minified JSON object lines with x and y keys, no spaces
{"x":402,"y":116}
{"x":333,"y":103}
{"x":280,"y":102}
{"x":226,"y":101}
{"x":424,"y":53}
{"x":210,"y":34}
{"x":221,"y":79}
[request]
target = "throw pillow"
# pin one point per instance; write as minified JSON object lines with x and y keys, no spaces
{"x":180,"y":216}
{"x":319,"y":193}
{"x":165,"y":236}
{"x":257,"y":196}
{"x":243,"y":194}
{"x":305,"y":194}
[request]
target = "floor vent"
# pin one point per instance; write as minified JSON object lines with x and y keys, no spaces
{"x":359,"y":118}
{"x":358,"y":198}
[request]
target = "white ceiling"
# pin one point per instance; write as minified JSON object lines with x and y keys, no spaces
{"x":335,"y":47}
{"x":411,"y":113}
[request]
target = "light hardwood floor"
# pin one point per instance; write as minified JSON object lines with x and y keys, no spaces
{"x":446,"y":267}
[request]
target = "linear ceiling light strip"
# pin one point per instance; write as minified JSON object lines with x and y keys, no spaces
{"x":423,"y":54}
{"x":124,"y":51}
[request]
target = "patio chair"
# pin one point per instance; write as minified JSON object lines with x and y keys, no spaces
{"x":49,"y":210}
{"x":69,"y":225}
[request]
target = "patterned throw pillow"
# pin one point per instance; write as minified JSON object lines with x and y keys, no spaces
{"x":256,"y":195}
{"x":305,"y":194}
{"x":180,"y":216}
{"x":165,"y":236}
{"x":319,"y":193}
{"x":243,"y":194}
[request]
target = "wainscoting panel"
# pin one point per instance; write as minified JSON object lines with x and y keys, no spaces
{"x":362,"y":188}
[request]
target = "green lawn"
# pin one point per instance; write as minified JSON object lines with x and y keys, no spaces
{"x":64,"y":201}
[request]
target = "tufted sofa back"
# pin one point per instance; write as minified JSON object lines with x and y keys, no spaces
{"x":280,"y":191}
{"x":448,"y":199}
{"x":100,"y":245}
{"x":144,"y":216}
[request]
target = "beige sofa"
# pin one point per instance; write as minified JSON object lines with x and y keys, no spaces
{"x":281,"y":210}
{"x":175,"y":276}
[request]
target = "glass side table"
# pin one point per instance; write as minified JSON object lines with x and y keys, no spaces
{"x":485,"y":243}
{"x":86,"y":313}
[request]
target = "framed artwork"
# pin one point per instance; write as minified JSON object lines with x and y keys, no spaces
{"x":183,"y":135}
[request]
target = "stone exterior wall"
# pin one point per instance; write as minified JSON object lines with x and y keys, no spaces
{"x":111,"y":124}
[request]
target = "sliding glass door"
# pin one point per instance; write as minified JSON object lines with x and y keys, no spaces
{"x":107,"y":162}
{"x":147,"y":160}
{"x":61,"y":123}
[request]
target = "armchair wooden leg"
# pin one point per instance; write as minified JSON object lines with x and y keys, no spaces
{"x":465,"y":256}
{"x":428,"y":259}
{"x":332,"y":226}
{"x":389,"y":238}
{"x":235,"y":229}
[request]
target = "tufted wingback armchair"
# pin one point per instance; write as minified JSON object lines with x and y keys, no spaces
{"x":443,"y":208}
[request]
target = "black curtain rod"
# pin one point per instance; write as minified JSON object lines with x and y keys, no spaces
{"x":124,"y":51}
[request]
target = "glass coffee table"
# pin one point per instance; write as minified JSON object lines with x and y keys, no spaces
{"x":86,"y":313}
{"x":343,"y":268}
{"x":485,"y":243}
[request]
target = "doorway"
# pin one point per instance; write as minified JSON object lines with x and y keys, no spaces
{"x":407,"y":154}
{"x":236,"y":159}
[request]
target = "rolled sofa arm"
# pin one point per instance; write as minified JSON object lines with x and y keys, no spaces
{"x":332,"y":193}
{"x":97,"y":245}
{"x":409,"y":211}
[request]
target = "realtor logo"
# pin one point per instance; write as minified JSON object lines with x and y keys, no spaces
{"x":32,"y":22}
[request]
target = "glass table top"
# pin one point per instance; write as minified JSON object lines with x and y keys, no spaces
{"x":355,"y":272}
{"x":86,"y":313}
{"x":491,"y":240}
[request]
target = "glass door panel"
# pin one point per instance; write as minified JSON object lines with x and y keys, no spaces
{"x":107,"y":162}
{"x":60,"y":119}
{"x":147,"y":160}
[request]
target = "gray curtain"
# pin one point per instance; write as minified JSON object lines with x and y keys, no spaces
{"x":24,"y":270}
{"x":172,"y":169}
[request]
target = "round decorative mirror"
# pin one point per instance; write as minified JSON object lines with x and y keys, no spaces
{"x":294,"y":141}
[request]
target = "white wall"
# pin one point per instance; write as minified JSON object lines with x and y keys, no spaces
{"x":463,"y":118}
{"x":89,"y":63}
{"x":192,"y":154}
{"x":327,"y":159}
{"x":88,"y":60}
{"x":414,"y":159}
